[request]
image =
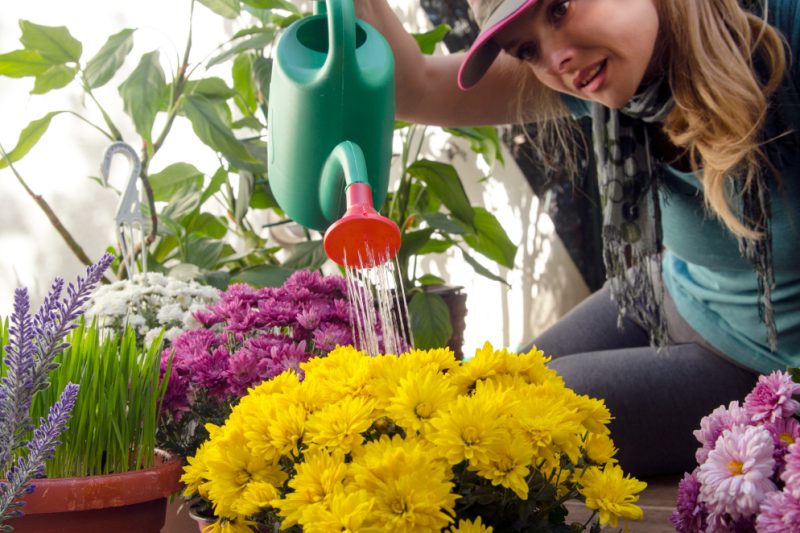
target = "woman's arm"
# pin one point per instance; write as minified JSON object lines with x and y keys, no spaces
{"x":426,"y":87}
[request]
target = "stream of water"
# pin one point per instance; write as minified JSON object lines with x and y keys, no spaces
{"x":377,"y":296}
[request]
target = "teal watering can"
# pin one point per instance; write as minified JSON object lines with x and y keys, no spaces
{"x":331,"y":119}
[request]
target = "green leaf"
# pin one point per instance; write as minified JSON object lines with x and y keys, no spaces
{"x":243,"y":83}
{"x":208,"y":225}
{"x":309,"y":255}
{"x":273,"y":4}
{"x":53,"y":43}
{"x":182,"y":203}
{"x":29,"y":137}
{"x":210,"y":129}
{"x":441,"y":222}
{"x":430,"y":279}
{"x":102,"y":67}
{"x":490,"y":239}
{"x":480,"y":269}
{"x":427,"y":41}
{"x":213,"y":88}
{"x":203,"y":252}
{"x":483,"y":140}
{"x":414,"y":240}
{"x":262,"y":197}
{"x":173,"y":178}
{"x":246,"y":185}
{"x":248,"y":122}
{"x":445,"y":183}
{"x":22,"y":63}
{"x":55,"y":77}
{"x":435,"y":246}
{"x":262,"y":276}
{"x":255,"y":42}
{"x":430,"y":321}
{"x":229,"y":9}
{"x":219,"y":177}
{"x":262,"y":73}
{"x":143,"y":93}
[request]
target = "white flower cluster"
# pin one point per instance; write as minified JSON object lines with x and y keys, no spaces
{"x":150,"y":302}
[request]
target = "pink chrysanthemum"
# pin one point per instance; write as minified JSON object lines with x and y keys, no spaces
{"x":712,"y":426}
{"x":771,"y":399}
{"x":780,"y":513}
{"x":690,"y":514}
{"x":791,"y":472}
{"x":736,"y":476}
{"x":785,"y":432}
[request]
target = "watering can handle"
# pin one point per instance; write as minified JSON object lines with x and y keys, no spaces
{"x":341,"y":35}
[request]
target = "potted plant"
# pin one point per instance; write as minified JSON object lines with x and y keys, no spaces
{"x":195,"y":223}
{"x":420,"y":442}
{"x":249,"y":336}
{"x":748,"y":473}
{"x":107,"y":472}
{"x":32,"y":346}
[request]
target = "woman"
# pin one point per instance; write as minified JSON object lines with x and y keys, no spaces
{"x":694,"y":110}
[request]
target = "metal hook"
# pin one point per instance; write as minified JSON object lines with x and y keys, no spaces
{"x":129,"y":218}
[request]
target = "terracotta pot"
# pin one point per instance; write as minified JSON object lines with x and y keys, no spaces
{"x":115,"y":503}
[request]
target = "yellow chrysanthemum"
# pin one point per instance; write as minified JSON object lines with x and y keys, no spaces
{"x":441,"y":359}
{"x":238,"y":525}
{"x":532,"y":367}
{"x":469,"y":430}
{"x":196,"y":472}
{"x":317,"y":477}
{"x":485,"y":364}
{"x":468,"y":526}
{"x":344,"y":372}
{"x":237,"y":477}
{"x":418,"y":399}
{"x":612,"y":494}
{"x":595,"y":416}
{"x":411,"y":488}
{"x":339,"y":426}
{"x":510,"y":468}
{"x":548,"y":424}
{"x":283,"y":383}
{"x":343,"y":512}
{"x":600,"y":448}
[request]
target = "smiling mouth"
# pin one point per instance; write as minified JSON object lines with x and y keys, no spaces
{"x":588,"y":77}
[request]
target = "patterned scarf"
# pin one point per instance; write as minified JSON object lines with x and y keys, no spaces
{"x":629,"y":182}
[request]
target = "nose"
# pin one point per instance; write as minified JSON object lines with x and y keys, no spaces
{"x":559,"y":57}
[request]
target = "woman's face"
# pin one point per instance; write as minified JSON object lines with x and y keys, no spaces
{"x":597,"y":50}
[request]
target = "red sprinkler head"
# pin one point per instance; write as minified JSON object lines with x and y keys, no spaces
{"x":362,"y":238}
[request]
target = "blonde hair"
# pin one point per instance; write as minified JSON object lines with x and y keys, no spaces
{"x":720,"y":102}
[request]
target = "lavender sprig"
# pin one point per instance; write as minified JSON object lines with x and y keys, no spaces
{"x":40,"y":448}
{"x":15,"y":390}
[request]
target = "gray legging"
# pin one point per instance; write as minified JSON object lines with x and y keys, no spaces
{"x":656,"y":398}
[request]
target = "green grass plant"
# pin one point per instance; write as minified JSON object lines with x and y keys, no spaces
{"x":113,"y":424}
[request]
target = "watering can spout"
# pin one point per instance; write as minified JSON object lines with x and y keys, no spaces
{"x":362,"y":237}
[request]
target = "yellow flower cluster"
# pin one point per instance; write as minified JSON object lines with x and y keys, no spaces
{"x":377,"y":444}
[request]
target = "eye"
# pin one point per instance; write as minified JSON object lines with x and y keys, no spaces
{"x":558,"y":10}
{"x":527,"y":52}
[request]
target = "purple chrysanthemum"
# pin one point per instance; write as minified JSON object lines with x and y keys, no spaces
{"x":690,"y":514}
{"x":771,"y":399}
{"x":712,"y":426}
{"x":780,"y":513}
{"x":785,"y":432}
{"x":736,"y":476}
{"x":330,"y":335}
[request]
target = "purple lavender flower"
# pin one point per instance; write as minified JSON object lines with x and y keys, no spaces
{"x":780,"y":513}
{"x":33,"y":345}
{"x":690,"y":514}
{"x":771,"y":398}
{"x":40,"y":449}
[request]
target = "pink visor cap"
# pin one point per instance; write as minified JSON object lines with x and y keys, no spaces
{"x":485,"y":49}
